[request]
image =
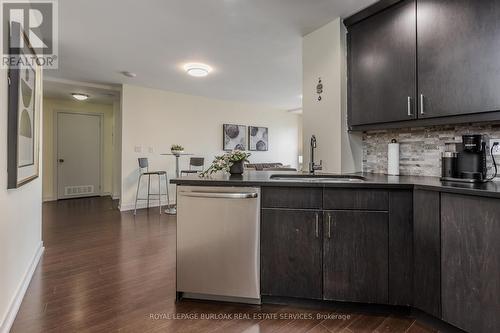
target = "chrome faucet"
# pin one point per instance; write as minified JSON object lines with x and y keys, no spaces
{"x":313,"y":166}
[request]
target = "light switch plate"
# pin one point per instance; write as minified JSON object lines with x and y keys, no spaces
{"x":496,"y":150}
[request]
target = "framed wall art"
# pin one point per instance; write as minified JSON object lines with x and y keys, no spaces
{"x":23,"y":132}
{"x":234,"y":137}
{"x":258,"y":139}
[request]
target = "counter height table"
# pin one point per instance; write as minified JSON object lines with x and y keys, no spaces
{"x":173,"y":210}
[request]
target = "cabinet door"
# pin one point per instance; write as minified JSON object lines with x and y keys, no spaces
{"x":427,"y":253}
{"x":356,"y":256}
{"x":291,"y":253}
{"x":470,"y":261}
{"x":401,"y":247}
{"x":458,"y":56}
{"x":382,"y":66}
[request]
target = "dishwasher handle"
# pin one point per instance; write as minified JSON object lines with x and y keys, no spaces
{"x":221,"y":195}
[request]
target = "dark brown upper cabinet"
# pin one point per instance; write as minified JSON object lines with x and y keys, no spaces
{"x":382,"y":66}
{"x":443,"y":54}
{"x":458,"y":57}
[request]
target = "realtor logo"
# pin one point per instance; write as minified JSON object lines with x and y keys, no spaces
{"x":29,"y":33}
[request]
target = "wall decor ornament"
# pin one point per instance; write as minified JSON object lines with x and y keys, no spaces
{"x":258,"y":138}
{"x":234,"y":137}
{"x":319,"y":89}
{"x":23,"y":132}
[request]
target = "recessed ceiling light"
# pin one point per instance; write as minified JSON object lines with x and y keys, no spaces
{"x":197,"y":69}
{"x":80,"y":97}
{"x":128,"y":74}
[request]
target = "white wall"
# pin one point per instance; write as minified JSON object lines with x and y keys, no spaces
{"x":324,"y":56}
{"x":51,"y":107}
{"x":157,"y":119}
{"x":20,"y":224}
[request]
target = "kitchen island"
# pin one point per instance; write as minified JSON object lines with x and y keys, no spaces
{"x":400,"y":241}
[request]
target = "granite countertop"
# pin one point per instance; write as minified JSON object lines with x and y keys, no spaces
{"x":262,"y":178}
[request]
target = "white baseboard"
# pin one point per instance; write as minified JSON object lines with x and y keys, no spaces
{"x":16,"y":301}
{"x":47,"y":199}
{"x":141,"y":205}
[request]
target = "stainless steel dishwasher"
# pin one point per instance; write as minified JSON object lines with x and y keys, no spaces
{"x":218,"y":243}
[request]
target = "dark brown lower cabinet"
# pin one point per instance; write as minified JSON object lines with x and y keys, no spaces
{"x":427,"y":252}
{"x":291,"y":253}
{"x":470,"y":262}
{"x":400,"y":247}
{"x":355,"y":256}
{"x":446,"y":245}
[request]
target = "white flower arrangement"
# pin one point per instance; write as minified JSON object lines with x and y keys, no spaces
{"x":225,"y":162}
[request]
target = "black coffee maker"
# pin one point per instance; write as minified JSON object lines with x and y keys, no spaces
{"x":470,"y":164}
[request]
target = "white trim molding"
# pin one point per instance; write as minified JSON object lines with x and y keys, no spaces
{"x":49,"y":198}
{"x":16,"y":301}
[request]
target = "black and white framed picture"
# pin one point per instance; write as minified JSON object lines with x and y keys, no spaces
{"x":234,"y":137}
{"x":258,"y":138}
{"x":23,"y":122}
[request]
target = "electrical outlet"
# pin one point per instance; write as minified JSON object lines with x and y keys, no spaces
{"x":496,"y":149}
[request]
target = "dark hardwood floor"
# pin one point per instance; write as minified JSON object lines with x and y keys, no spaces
{"x":106,"y":271}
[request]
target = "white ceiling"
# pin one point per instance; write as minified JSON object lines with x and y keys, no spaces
{"x":253,"y":45}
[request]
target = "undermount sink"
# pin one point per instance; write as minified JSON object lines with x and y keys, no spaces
{"x":318,"y":178}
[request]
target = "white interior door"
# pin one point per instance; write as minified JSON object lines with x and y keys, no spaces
{"x":78,"y":155}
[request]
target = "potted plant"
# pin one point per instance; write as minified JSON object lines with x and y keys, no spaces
{"x":177,"y":149}
{"x":231,"y":162}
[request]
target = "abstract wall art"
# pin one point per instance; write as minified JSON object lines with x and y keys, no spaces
{"x":258,"y":138}
{"x":234,"y":137}
{"x":23,"y":124}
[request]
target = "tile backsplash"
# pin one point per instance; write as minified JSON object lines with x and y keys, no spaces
{"x":420,"y":148}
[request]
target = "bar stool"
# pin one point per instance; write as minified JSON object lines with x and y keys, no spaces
{"x":144,"y":164}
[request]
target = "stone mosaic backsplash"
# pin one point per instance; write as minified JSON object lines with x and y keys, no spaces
{"x":420,"y":148}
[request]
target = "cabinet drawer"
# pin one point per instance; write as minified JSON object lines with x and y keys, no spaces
{"x":356,"y":199}
{"x":287,"y":197}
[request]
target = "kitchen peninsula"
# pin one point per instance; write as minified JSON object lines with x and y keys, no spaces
{"x":393,"y":240}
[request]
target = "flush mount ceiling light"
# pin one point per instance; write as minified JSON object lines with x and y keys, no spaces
{"x":80,"y":97}
{"x":128,"y":74}
{"x":197,"y":69}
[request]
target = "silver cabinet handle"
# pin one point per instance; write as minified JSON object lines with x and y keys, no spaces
{"x":422,"y":104}
{"x":409,"y":107}
{"x":317,"y":225}
{"x":220,"y":195}
{"x":329,"y":225}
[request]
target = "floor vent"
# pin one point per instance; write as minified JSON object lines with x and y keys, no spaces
{"x":78,"y":190}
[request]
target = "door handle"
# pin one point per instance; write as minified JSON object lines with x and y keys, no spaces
{"x":61,"y":160}
{"x":317,"y":225}
{"x":220,"y":195}
{"x":329,"y":226}
{"x":422,"y":104}
{"x":409,"y":107}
